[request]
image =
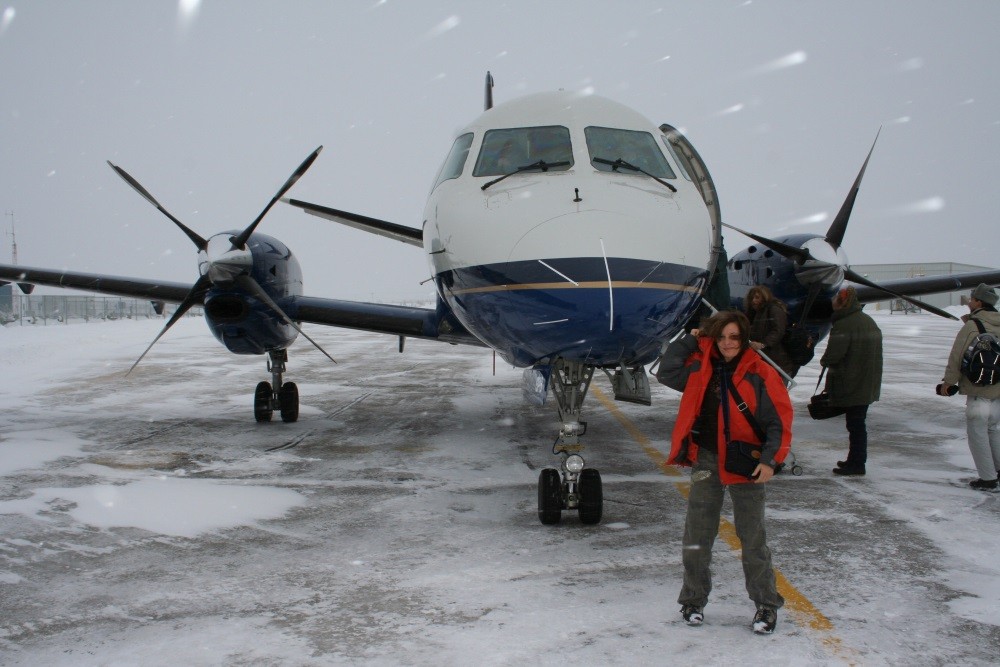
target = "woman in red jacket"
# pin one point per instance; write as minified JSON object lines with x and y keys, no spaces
{"x":710,"y":367}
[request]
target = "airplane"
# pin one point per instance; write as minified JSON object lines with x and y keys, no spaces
{"x":564,"y":231}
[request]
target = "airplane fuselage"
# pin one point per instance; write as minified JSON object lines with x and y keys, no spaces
{"x":573,"y":258}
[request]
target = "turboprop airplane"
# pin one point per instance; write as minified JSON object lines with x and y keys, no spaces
{"x":567,"y":232}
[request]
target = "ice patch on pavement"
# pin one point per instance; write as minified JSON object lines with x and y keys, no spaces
{"x":169,"y":505}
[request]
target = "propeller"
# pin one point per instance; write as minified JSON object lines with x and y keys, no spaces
{"x":229,"y":266}
{"x":817,"y":272}
{"x":835,"y":235}
{"x":799,"y":255}
{"x":239,"y":242}
{"x":252,"y":286}
{"x":198,"y":241}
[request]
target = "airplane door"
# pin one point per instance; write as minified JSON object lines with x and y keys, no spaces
{"x":695,"y":166}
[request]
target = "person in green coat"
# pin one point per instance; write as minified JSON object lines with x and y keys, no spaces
{"x":853,"y":360}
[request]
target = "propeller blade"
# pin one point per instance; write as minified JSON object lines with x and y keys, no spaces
{"x":800,"y":255}
{"x":198,"y":241}
{"x":835,"y":235}
{"x":240,"y":241}
{"x":197,"y":291}
{"x":254,"y":288}
{"x":814,"y":291}
{"x":860,"y":279}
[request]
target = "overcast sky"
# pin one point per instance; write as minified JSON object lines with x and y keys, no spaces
{"x":211,"y":107}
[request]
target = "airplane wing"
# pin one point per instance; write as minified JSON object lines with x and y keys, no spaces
{"x":139,"y":288}
{"x":409,"y":321}
{"x":374,"y":225}
{"x":927,"y":285}
{"x":384,"y":318}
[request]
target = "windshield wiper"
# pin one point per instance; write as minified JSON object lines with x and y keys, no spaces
{"x":541,"y":164}
{"x":622,"y":163}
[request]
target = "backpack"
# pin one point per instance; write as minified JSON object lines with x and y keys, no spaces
{"x":798,"y":343}
{"x":981,"y":361}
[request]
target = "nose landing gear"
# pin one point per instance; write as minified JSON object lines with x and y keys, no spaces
{"x":572,"y":487}
{"x":275,"y":394}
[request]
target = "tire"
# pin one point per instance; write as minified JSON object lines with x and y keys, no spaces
{"x":550,"y":497}
{"x":288,"y":399}
{"x":262,"y":402}
{"x":591,"y":496}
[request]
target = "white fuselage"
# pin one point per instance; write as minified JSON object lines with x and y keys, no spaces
{"x":579,"y":261}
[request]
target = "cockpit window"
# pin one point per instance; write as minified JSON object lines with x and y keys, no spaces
{"x":636,"y":148}
{"x":506,"y":151}
{"x":455,"y":162}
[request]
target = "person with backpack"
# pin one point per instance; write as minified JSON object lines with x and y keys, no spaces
{"x":972,"y":370}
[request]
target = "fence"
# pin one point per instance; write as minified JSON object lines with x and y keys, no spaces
{"x":46,"y":309}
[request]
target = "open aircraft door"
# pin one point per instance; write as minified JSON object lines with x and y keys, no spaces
{"x":698,"y":172}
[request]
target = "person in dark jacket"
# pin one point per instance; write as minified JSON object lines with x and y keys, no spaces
{"x":853,"y":360}
{"x":768,"y":320}
{"x":702,"y":366}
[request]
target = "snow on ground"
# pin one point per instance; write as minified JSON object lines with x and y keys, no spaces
{"x":143,"y":520}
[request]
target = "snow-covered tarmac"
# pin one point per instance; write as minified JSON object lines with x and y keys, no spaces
{"x":145,"y":521}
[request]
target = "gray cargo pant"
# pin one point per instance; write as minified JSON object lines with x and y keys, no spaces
{"x":982,"y":417}
{"x":702,"y":527}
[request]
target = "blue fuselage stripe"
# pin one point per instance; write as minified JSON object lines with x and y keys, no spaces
{"x":532,"y":312}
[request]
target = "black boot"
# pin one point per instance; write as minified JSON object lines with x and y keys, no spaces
{"x":850,"y":469}
{"x":692,"y":614}
{"x":765,"y":620}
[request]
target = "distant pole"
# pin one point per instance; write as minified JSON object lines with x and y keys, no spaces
{"x":13,"y":239}
{"x":15,"y":298}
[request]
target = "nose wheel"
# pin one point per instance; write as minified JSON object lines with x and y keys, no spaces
{"x":572,"y":487}
{"x":281,"y":396}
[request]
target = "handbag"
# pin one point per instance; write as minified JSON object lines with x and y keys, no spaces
{"x":819,"y":404}
{"x":742,"y":457}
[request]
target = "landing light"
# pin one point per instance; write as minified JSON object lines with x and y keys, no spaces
{"x":574,"y":463}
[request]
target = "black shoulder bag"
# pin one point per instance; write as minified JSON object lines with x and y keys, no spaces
{"x":819,"y":404}
{"x":741,"y":457}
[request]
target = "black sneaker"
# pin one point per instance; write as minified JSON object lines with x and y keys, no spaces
{"x":765,"y":621}
{"x":692,"y":614}
{"x":984,"y":484}
{"x":849,"y":470}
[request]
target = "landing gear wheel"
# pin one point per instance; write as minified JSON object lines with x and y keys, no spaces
{"x":591,"y":496}
{"x":550,"y":500}
{"x":262,"y":402}
{"x":288,"y":399}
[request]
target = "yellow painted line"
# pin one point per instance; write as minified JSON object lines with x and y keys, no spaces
{"x":798,"y":605}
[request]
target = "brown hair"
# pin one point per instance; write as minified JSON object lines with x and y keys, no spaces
{"x":766,"y":297}
{"x":713,"y":326}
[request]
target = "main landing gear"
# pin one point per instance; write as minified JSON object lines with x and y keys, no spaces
{"x":573,"y":486}
{"x":276,"y":395}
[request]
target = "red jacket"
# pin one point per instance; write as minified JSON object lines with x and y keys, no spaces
{"x":757,"y":383}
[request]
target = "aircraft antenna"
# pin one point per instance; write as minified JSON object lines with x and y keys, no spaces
{"x":488,"y":103}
